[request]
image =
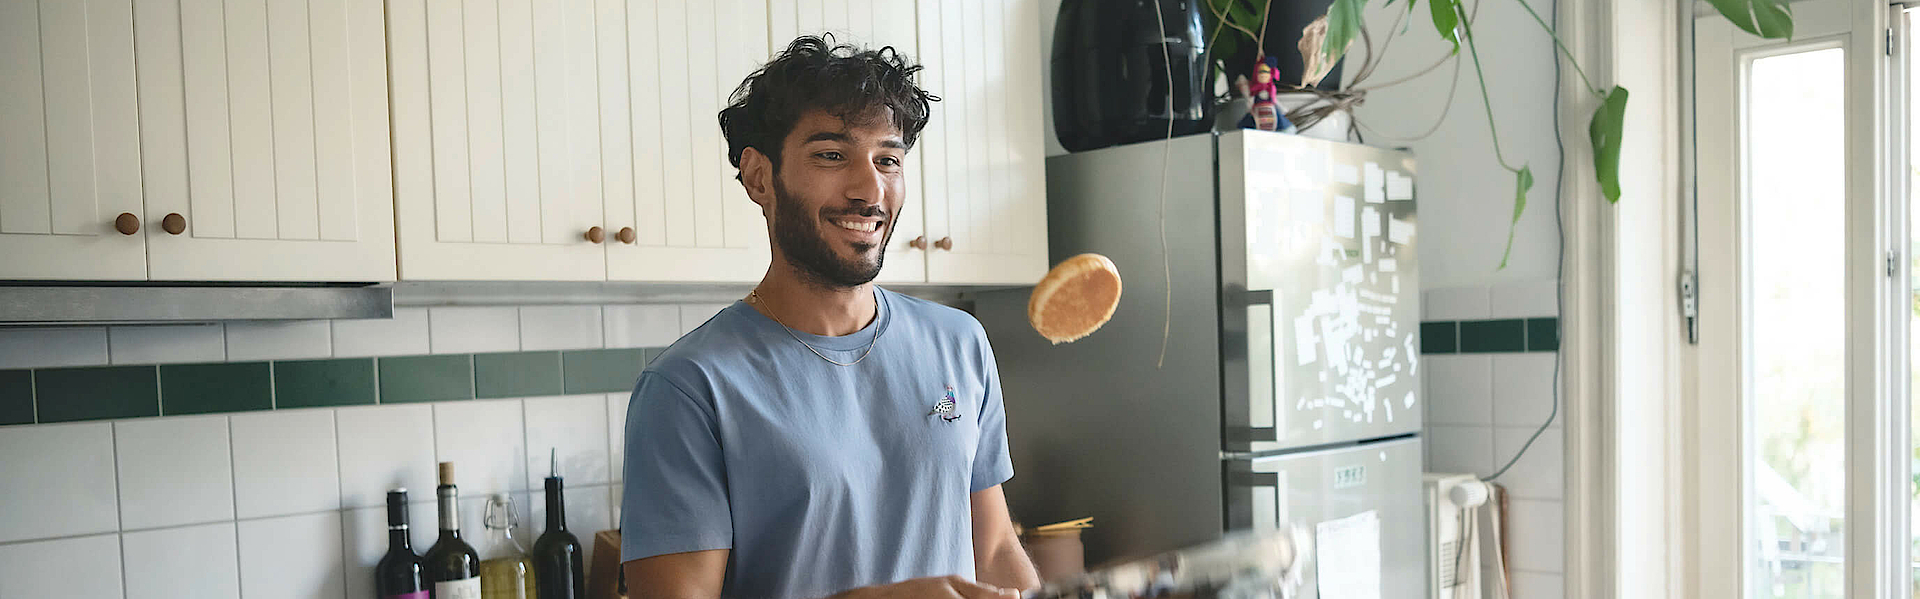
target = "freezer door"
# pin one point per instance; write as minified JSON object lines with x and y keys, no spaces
{"x":1362,"y":504}
{"x":1320,"y":299}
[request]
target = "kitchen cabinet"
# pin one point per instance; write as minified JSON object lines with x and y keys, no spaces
{"x":571,"y":141}
{"x":666,"y":170}
{"x":983,"y":154}
{"x":168,"y":140}
{"x":263,"y":140}
{"x":69,"y":142}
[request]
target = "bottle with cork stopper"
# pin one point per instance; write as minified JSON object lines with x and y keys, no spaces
{"x":452,"y":565}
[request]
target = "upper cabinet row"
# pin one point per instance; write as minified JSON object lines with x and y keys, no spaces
{"x":300,"y":140}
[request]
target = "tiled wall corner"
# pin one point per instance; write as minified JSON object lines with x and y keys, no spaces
{"x":1489,"y":379}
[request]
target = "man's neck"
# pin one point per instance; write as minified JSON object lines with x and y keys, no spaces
{"x":812,"y":308}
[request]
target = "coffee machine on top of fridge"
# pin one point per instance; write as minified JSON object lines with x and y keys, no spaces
{"x":1276,"y":382}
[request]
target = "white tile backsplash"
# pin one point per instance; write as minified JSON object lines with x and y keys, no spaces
{"x":167,"y":344}
{"x":694,"y":315}
{"x":207,"y":506}
{"x":641,"y":325}
{"x":617,"y":435}
{"x":1466,"y":303}
{"x":1523,"y":389}
{"x":383,"y":448}
{"x":53,"y":347}
{"x":173,"y":471}
{"x":269,"y":571}
{"x":473,"y":329}
{"x":284,"y":462}
{"x":1525,"y":300}
{"x":1460,"y":389}
{"x":576,"y":426}
{"x":1536,"y":532}
{"x":60,"y":481}
{"x":279,"y":340}
{"x":1540,"y":473}
{"x":193,"y":561}
{"x":403,"y":335}
{"x":486,"y":441}
{"x":77,"y":568}
{"x":560,"y":327}
{"x":1460,"y":449}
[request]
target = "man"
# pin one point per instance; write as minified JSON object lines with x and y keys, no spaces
{"x":823,"y":435}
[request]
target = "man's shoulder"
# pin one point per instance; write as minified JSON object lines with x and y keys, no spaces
{"x":939,"y":318}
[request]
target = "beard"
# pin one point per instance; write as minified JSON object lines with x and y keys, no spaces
{"x":804,"y":247}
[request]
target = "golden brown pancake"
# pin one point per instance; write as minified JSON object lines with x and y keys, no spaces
{"x":1075,"y":298}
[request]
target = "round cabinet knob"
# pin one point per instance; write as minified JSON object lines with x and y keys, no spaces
{"x":174,"y":224}
{"x":918,"y":243}
{"x":127,"y":223}
{"x":945,"y":243}
{"x":627,"y":236}
{"x":596,"y":235}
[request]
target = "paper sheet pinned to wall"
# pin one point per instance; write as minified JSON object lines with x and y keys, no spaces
{"x":1347,"y":557}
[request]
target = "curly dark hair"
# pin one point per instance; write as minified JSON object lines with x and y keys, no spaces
{"x":816,"y":72}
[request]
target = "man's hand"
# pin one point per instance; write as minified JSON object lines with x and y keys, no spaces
{"x":937,"y":587}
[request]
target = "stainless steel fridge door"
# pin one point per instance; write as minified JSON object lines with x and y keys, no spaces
{"x":1328,"y":492}
{"x":1320,"y":293}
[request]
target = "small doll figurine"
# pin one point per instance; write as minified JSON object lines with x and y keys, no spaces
{"x":1265,"y":113}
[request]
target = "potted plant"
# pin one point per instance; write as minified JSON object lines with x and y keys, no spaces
{"x":1325,"y":42}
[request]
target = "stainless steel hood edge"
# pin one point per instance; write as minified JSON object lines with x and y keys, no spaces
{"x":45,"y":305}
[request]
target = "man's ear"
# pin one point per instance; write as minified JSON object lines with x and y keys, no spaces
{"x":756,"y":175}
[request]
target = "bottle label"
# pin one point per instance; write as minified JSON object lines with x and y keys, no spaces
{"x":412,"y":595}
{"x":457,"y":589}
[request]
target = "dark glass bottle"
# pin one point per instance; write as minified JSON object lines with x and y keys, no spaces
{"x":400,"y":574}
{"x":559,"y":566}
{"x":452,"y":565}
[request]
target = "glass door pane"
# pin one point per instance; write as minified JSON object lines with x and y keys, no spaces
{"x":1794,"y":199}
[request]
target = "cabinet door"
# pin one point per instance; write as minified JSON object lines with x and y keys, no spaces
{"x":264,"y":127}
{"x":986,"y":187}
{"x":873,"y":24}
{"x":667,"y":172}
{"x":497,"y":139}
{"x":69,"y":141}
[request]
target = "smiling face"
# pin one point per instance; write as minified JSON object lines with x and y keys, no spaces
{"x":832,"y":201}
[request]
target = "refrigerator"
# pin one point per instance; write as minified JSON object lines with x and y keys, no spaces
{"x":1287,"y":392}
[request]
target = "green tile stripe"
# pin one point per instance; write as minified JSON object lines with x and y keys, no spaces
{"x":1490,"y":335}
{"x":46,"y":395}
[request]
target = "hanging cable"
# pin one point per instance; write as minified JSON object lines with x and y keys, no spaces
{"x":1560,"y":265}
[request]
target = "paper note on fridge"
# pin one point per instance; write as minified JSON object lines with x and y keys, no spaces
{"x":1399,"y":231}
{"x":1347,"y":557}
{"x":1343,"y":216}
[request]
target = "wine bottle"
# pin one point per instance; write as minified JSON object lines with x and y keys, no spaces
{"x":452,"y":565}
{"x":506,"y":573}
{"x":557,"y":560}
{"x":400,"y":574}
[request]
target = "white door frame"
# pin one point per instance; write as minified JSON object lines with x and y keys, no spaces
{"x":1717,"y":554}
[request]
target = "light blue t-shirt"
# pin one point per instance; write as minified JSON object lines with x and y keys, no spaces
{"x":818,"y":477}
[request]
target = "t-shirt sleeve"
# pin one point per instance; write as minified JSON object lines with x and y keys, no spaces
{"x":992,"y":464}
{"x":675,"y":499}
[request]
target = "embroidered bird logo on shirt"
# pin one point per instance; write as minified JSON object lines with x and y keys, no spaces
{"x":947,"y":409}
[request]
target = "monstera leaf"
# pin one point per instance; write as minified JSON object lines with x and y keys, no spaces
{"x":1770,"y":19}
{"x":1343,"y":26}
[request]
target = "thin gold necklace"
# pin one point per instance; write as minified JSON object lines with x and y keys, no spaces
{"x":753,"y":297}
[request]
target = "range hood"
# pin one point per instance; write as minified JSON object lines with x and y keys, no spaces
{"x":42,"y":304}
